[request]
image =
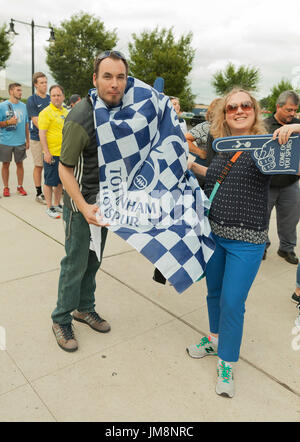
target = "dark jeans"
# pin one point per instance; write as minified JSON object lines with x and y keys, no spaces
{"x":287,"y":203}
{"x":77,"y":280}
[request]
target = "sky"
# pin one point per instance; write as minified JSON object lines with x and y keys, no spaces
{"x":264,"y":34}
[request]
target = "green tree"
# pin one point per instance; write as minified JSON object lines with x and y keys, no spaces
{"x":245,"y":77}
{"x":157,"y":54}
{"x":264,"y":103}
{"x":71,"y":57}
{"x":283,"y":85}
{"x":5,"y":46}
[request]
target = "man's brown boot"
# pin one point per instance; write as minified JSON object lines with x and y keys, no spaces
{"x":65,"y":337}
{"x":93,"y":320}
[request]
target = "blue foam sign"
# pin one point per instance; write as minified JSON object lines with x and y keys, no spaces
{"x":269,"y":156}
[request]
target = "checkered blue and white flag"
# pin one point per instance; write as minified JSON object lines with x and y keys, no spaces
{"x":147,"y":195}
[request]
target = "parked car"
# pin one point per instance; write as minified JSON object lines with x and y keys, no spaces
{"x":197,"y":119}
{"x":187,"y":114}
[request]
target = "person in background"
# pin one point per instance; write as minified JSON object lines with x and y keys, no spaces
{"x":238,"y":219}
{"x":283,"y":133}
{"x":75,"y":98}
{"x":176,"y":104}
{"x":14,"y":136}
{"x":51,"y":121}
{"x":284,"y":191}
{"x":296,"y":295}
{"x":199,"y":134}
{"x":35,"y":104}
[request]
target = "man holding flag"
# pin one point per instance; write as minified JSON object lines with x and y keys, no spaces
{"x":127,"y":136}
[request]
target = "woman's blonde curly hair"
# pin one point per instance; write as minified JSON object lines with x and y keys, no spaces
{"x":219,"y":127}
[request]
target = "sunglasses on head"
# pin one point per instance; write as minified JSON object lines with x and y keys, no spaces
{"x":246,"y":106}
{"x":106,"y":54}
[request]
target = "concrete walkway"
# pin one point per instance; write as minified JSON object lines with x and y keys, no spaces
{"x":140,"y":371}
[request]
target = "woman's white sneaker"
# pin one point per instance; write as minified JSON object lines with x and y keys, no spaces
{"x":225,"y":383}
{"x":204,"y":348}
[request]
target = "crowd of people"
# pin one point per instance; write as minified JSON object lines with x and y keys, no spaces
{"x":36,"y":126}
{"x":65,"y":146}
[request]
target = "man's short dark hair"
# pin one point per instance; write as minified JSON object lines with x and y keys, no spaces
{"x":11,"y":86}
{"x":74,"y":98}
{"x":115,"y":55}
{"x":59,"y":87}
{"x":36,"y":76}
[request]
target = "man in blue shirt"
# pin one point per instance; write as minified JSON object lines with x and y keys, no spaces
{"x":35,"y":104}
{"x":14,"y":136}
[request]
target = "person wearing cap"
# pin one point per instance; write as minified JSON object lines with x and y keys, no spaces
{"x":75,"y":98}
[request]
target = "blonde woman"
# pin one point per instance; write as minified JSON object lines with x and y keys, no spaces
{"x":238,"y":218}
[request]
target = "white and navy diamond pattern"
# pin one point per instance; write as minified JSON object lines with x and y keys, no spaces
{"x":141,"y":145}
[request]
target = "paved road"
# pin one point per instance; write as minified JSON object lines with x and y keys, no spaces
{"x":140,"y":371}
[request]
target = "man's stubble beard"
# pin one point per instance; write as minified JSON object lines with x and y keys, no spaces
{"x":112,"y":103}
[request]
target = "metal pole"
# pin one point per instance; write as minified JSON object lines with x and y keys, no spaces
{"x":32,"y":24}
{"x":32,"y":54}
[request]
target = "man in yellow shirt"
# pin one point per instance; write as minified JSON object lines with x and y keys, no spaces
{"x":51,"y":121}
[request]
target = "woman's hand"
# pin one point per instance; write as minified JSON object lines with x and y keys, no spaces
{"x":285,"y":132}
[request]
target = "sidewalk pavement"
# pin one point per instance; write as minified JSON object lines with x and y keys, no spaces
{"x":140,"y":371}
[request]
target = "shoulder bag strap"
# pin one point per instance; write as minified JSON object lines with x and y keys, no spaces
{"x":224,"y":174}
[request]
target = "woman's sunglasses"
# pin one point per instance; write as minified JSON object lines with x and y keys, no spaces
{"x":246,"y":106}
